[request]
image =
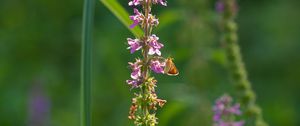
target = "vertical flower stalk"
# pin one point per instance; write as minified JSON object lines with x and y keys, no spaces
{"x":225,"y":113}
{"x":228,"y":10}
{"x":145,"y":101}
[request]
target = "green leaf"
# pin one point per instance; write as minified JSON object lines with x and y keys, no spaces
{"x":116,"y":8}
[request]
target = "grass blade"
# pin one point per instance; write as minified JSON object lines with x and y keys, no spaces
{"x":86,"y":61}
{"x":116,"y":8}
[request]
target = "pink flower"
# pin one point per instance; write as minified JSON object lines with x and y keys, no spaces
{"x":152,"y":20}
{"x":155,"y":46}
{"x":136,"y":69}
{"x":219,"y":6}
{"x":134,"y":45}
{"x":136,"y":74}
{"x":139,"y":2}
{"x":224,"y":108}
{"x":162,"y":2}
{"x":137,"y":18}
{"x":134,"y":83}
{"x":157,"y":66}
{"x":235,"y":109}
{"x":134,"y":2}
{"x":239,"y":123}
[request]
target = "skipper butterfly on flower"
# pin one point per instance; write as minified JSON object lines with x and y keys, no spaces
{"x":170,"y":68}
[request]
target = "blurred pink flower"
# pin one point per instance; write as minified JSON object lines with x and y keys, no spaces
{"x":134,"y":45}
{"x":157,"y":66}
{"x":155,"y":46}
{"x":137,"y":18}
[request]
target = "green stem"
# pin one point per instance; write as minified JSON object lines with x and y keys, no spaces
{"x":236,"y":65}
{"x":86,"y":62}
{"x":145,"y":71}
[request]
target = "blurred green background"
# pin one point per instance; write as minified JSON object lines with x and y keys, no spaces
{"x":40,"y":62}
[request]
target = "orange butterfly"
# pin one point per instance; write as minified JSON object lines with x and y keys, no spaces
{"x":170,"y":68}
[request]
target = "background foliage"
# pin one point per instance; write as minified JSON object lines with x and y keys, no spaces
{"x":40,"y":45}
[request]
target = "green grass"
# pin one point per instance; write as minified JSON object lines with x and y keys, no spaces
{"x":86,"y":61}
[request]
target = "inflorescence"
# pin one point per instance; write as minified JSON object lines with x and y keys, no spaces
{"x":225,"y":113}
{"x":145,"y":101}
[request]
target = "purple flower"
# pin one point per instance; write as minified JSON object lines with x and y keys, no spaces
{"x":39,"y":106}
{"x":135,"y":74}
{"x":239,"y":123}
{"x":235,"y":109}
{"x":134,"y":2}
{"x":153,"y":21}
{"x":137,"y":18}
{"x":134,"y":83}
{"x":136,"y":69}
{"x":134,"y":45}
{"x":157,"y":66}
{"x":138,"y":2}
{"x":223,"y":108}
{"x":220,"y":6}
{"x":162,"y":2}
{"x":154,"y":45}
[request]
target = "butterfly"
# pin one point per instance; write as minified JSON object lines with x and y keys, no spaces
{"x":170,"y":68}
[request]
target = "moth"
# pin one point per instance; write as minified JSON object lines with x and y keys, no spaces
{"x":170,"y":68}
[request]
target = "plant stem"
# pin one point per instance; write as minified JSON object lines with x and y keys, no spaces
{"x":236,"y":65}
{"x":145,"y":71}
{"x":86,"y":62}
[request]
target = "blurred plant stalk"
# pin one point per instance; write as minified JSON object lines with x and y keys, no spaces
{"x":229,"y":9}
{"x":39,"y":106}
{"x":86,"y":62}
